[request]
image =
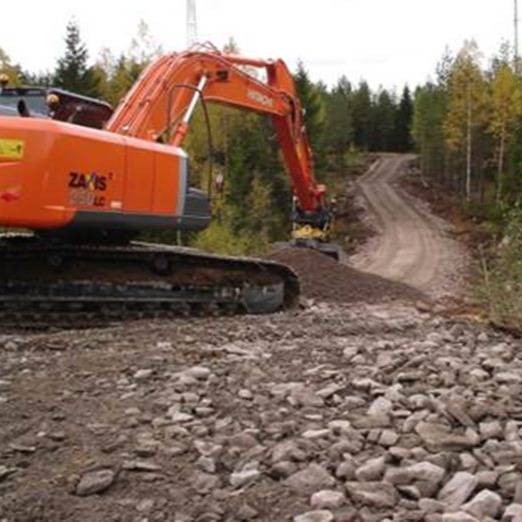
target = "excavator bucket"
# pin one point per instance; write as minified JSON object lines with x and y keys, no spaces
{"x":328,"y":249}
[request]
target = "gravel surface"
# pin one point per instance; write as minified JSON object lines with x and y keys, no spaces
{"x":367,"y":412}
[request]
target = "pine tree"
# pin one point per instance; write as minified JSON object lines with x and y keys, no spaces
{"x":72,"y":72}
{"x":361,"y":102}
{"x":444,"y":68}
{"x":383,"y":122}
{"x":338,"y":134}
{"x":121,"y":81}
{"x":313,"y":105}
{"x":403,"y":122}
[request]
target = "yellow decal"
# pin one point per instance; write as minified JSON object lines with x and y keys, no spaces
{"x":12,"y":149}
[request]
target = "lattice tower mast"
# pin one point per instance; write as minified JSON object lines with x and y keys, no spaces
{"x":192,"y":23}
{"x":515,"y":43}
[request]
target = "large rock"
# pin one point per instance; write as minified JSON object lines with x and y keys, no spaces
{"x":459,"y":516}
{"x":485,"y":504}
{"x":424,"y":471}
{"x":310,"y":479}
{"x":457,"y":409}
{"x":490,"y":430}
{"x":5,"y":472}
{"x":327,"y":499}
{"x":487,"y":479}
{"x":242,"y":478}
{"x":287,"y":451}
{"x":199,"y":372}
{"x":315,"y":516}
{"x":380,"y":406}
{"x":204,"y":482}
{"x":306,"y":397}
{"x":513,"y":513}
{"x":373,"y":494}
{"x":430,"y":506}
{"x":388,"y":438}
{"x":458,"y":489}
{"x":283,"y":469}
{"x":372,"y":469}
{"x":438,"y":437}
{"x":95,"y":482}
{"x":346,"y":470}
{"x":508,"y":378}
{"x":507,"y":484}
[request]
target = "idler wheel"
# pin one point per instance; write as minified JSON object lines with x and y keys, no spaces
{"x":161,"y":265}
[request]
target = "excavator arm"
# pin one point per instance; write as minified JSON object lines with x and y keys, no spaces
{"x":161,"y":102}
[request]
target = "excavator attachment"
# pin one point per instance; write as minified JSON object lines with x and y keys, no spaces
{"x":312,"y":229}
{"x":313,"y":243}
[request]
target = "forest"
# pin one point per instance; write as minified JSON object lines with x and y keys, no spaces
{"x":467,"y":129}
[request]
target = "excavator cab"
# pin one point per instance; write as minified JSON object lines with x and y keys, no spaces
{"x":52,"y":103}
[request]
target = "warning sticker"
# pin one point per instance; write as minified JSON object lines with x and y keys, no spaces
{"x":12,"y":149}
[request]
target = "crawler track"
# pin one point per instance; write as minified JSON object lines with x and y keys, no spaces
{"x":46,"y":285}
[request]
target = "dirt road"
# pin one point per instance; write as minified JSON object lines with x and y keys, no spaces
{"x":411,"y":245}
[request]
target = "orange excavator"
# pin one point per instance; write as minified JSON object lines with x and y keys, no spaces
{"x":87,"y":192}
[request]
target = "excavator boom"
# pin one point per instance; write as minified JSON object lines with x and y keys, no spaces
{"x":160,"y":102}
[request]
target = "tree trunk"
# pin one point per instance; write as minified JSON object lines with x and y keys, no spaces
{"x":468,"y":151}
{"x":500,"y":165}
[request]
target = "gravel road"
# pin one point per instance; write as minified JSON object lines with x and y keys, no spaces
{"x":411,"y":245}
{"x":357,"y":406}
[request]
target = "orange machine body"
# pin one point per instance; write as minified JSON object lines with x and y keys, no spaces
{"x":133,"y":175}
{"x":54,"y":175}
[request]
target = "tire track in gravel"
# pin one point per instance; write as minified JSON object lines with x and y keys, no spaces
{"x":411,"y":246}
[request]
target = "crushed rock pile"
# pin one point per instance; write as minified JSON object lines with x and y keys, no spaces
{"x":324,"y":279}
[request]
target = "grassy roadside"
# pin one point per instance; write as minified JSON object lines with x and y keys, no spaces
{"x":500,"y":288}
{"x":494,"y":237}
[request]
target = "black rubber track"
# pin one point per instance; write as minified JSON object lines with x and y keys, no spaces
{"x":50,"y":284}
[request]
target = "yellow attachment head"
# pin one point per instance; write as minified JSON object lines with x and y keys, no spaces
{"x":4,"y":79}
{"x":308,"y":232}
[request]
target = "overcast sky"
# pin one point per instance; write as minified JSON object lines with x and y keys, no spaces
{"x":387,"y":42}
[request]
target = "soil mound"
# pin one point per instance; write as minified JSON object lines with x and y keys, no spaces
{"x":324,"y":279}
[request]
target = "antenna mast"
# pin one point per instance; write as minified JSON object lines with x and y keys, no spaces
{"x":192,"y":23}
{"x":515,"y":46}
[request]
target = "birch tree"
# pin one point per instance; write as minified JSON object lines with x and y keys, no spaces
{"x":505,"y":115}
{"x":428,"y":117}
{"x":466,"y":104}
{"x":13,"y":72}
